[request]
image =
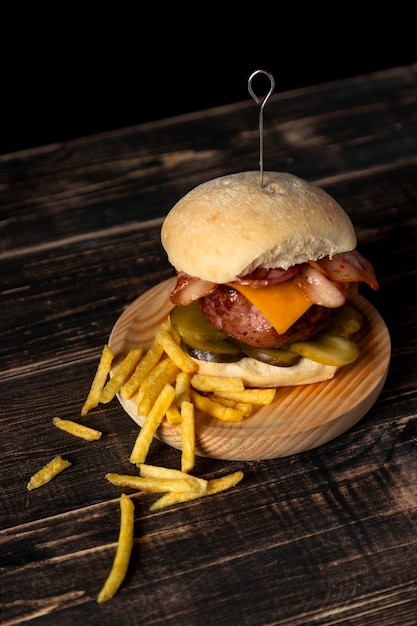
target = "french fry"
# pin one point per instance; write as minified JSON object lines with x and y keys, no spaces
{"x":215,"y":485}
{"x":145,"y":365}
{"x":182,"y":387}
{"x":156,"y":471}
{"x":151,"y":424}
{"x":252,"y":396}
{"x":171,"y":331}
{"x":246,"y":408}
{"x":124,"y":549}
{"x":182,"y":360}
{"x":121,"y":374}
{"x":99,"y":380}
{"x":47,"y":472}
{"x":217,"y":383}
{"x":151,"y":484}
{"x":78,"y":430}
{"x":187,"y":437}
{"x":164,"y":372}
{"x":219,"y":411}
{"x":173,"y":414}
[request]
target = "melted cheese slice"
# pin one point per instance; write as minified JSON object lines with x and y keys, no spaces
{"x":282,"y":304}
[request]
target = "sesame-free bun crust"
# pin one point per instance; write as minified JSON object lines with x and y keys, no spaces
{"x":228,"y":226}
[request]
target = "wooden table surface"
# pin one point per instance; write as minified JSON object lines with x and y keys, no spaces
{"x":328,"y":536}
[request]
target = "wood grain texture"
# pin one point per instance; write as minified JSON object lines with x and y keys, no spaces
{"x":327,"y":536}
{"x":300,"y":418}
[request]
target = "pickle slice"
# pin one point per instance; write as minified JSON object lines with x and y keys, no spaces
{"x":328,"y":349}
{"x":347,"y":322}
{"x":205,"y":342}
{"x":191,"y":324}
{"x":281,"y":357}
{"x":220,"y":351}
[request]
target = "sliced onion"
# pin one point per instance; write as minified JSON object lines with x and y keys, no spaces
{"x":319,"y":289}
{"x":188,"y":289}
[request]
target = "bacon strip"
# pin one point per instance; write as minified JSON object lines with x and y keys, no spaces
{"x":322,"y":280}
{"x":264,"y":277}
{"x":347,"y":267}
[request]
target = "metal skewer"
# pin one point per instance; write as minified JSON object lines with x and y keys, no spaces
{"x":262,"y":102}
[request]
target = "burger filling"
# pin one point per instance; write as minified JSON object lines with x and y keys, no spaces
{"x":230,"y":311}
{"x":276,"y":308}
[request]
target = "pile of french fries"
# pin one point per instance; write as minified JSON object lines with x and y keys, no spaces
{"x":165,"y":385}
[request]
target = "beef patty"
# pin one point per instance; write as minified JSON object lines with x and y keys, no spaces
{"x":228,"y":309}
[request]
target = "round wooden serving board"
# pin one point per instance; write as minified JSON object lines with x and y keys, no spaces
{"x":300,"y":418}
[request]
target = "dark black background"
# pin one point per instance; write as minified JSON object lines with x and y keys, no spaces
{"x":70,"y":72}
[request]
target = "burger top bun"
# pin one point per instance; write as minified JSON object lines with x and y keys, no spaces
{"x":228,"y":226}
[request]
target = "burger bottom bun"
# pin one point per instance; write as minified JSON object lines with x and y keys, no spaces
{"x":301,"y":417}
{"x":257,"y":374}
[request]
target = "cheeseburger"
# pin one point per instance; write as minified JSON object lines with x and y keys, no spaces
{"x":264,"y":277}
